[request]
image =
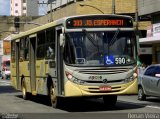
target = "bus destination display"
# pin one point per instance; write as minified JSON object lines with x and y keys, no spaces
{"x":99,"y":22}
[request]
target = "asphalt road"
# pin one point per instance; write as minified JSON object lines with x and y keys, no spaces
{"x":12,"y":105}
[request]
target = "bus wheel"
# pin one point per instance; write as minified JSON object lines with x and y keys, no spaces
{"x":25,"y":94}
{"x":141,"y":95}
{"x":110,"y":100}
{"x":55,"y":101}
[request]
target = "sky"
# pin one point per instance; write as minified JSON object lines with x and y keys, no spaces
{"x":5,"y":8}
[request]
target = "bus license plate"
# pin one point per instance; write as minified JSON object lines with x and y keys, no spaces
{"x":105,"y":88}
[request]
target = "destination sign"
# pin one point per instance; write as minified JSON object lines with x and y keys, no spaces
{"x":99,"y":22}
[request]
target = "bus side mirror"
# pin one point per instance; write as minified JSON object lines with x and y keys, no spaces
{"x":61,"y":39}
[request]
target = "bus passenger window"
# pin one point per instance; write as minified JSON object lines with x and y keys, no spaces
{"x":26,"y":49}
{"x":22,"y":48}
{"x":50,"y":52}
{"x":41,"y":37}
{"x":13,"y":51}
{"x":50,"y":43}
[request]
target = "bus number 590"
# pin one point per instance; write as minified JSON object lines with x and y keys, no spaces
{"x":120,"y":60}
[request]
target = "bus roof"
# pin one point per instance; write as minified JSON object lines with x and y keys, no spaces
{"x":56,"y":23}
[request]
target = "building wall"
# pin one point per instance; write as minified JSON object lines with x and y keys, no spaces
{"x":6,"y":47}
{"x":16,"y":5}
{"x":103,"y":5}
{"x":148,"y":6}
{"x":6,"y":25}
{"x":125,"y":6}
{"x":29,"y":8}
{"x":58,"y":3}
{"x":66,"y":11}
{"x":32,"y":8}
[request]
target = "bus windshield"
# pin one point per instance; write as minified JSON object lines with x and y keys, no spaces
{"x":106,"y":48}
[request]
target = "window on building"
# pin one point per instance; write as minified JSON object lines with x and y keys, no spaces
{"x":24,"y":1}
{"x":16,"y":11}
{"x":24,"y":14}
{"x":16,"y":4}
{"x":24,"y":8}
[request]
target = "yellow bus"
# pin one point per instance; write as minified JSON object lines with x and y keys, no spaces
{"x":76,"y":56}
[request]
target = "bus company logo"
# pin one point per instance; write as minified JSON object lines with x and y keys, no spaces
{"x":105,"y":80}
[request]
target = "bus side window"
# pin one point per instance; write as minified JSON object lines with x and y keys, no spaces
{"x":50,"y":44}
{"x":41,"y":37}
{"x":50,"y":52}
{"x":26,"y":49}
{"x":22,"y":44}
{"x":13,"y":51}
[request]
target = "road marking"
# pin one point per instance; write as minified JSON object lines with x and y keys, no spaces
{"x":155,"y":107}
{"x":5,"y":83}
{"x":147,"y":106}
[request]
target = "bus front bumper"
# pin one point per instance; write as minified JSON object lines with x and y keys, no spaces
{"x":75,"y":90}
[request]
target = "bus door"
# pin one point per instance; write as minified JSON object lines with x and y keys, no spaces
{"x":17,"y":64}
{"x":59,"y":62}
{"x":32,"y":61}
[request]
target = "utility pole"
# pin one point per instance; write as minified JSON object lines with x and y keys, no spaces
{"x":49,"y":2}
{"x":113,"y":6}
{"x":137,"y":30}
{"x":51,"y":15}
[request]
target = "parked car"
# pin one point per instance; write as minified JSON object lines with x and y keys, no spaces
{"x":5,"y":73}
{"x":149,"y":82}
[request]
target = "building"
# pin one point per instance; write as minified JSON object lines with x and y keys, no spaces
{"x":24,"y":8}
{"x":149,"y":9}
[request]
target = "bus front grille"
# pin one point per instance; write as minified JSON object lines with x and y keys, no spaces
{"x":102,"y":71}
{"x":108,"y":82}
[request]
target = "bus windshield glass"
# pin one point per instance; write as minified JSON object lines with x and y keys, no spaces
{"x":106,"y":48}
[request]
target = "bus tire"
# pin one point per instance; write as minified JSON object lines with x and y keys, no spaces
{"x":110,"y":100}
{"x":25,"y":94}
{"x":55,"y":101}
{"x":141,"y":95}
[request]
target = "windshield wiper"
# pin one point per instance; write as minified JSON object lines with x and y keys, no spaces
{"x":91,"y":39}
{"x":114,"y":37}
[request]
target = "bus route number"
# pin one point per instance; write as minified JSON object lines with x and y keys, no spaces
{"x":77,"y":23}
{"x":120,"y":60}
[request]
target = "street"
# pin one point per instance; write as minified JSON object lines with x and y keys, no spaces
{"x":11,"y":102}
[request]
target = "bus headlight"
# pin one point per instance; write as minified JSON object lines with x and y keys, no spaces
{"x":131,"y":78}
{"x":73,"y":79}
